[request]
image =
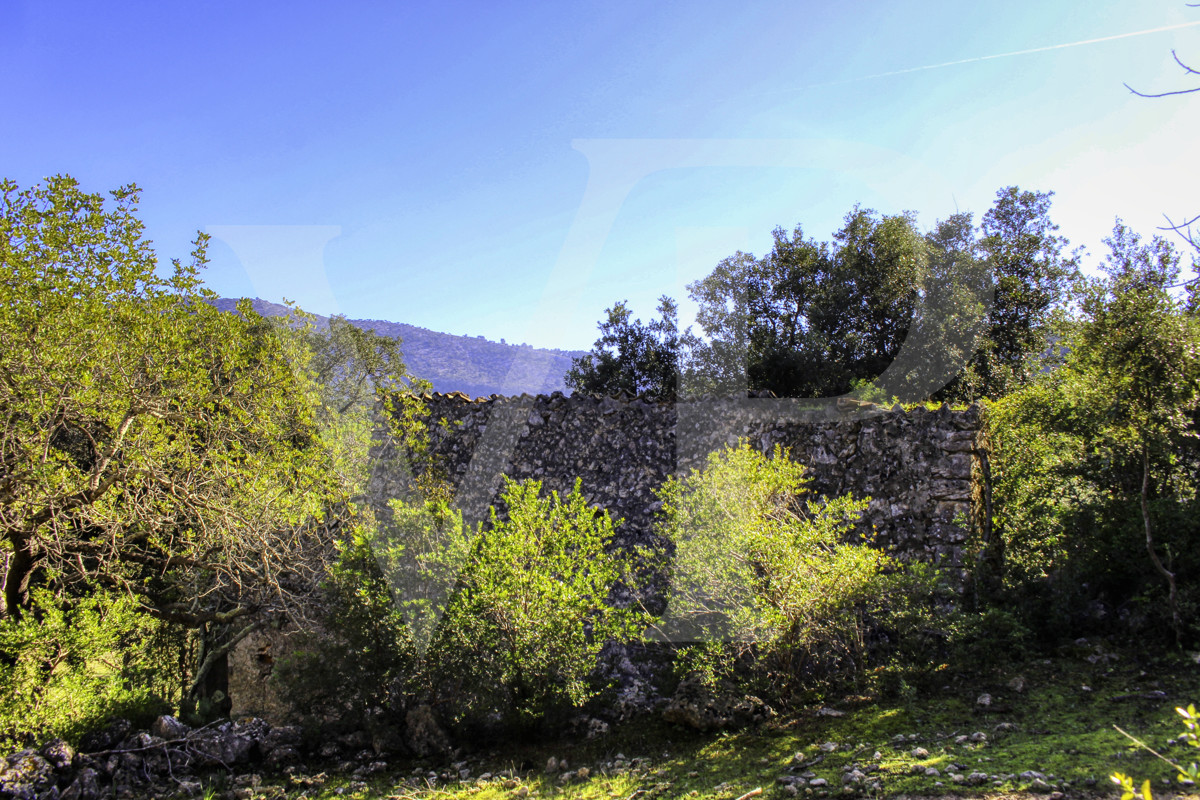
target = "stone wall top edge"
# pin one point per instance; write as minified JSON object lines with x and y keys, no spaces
{"x":847,"y":406}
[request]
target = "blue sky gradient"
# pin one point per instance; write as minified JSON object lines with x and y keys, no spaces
{"x":513,"y":171}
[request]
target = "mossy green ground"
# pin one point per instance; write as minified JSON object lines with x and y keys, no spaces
{"x":1051,"y":716}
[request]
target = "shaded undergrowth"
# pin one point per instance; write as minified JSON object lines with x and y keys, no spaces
{"x":1045,"y":726}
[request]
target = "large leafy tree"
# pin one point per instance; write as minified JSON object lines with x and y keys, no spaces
{"x":811,"y":319}
{"x":153,"y":445}
{"x":958,"y":312}
{"x":632,"y":357}
{"x":755,"y":314}
{"x":1146,"y":352}
{"x":1097,"y":459}
{"x":869,"y":304}
{"x":951,"y":323}
{"x":1032,"y":274}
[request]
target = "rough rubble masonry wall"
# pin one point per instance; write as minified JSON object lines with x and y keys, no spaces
{"x":924,"y":470}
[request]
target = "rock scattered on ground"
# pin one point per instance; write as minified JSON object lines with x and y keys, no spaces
{"x":696,"y":706}
{"x":118,"y":762}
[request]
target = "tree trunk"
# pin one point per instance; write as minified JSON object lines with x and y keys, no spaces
{"x":214,"y":686}
{"x":1172,"y":601}
{"x":17,"y":577}
{"x":209,"y":691}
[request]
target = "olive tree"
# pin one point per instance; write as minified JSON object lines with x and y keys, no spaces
{"x":1144,"y":350}
{"x":151,"y":444}
{"x":632,"y":357}
{"x":1095,"y":461}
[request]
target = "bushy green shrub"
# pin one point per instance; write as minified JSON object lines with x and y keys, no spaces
{"x":1066,"y":486}
{"x":763,"y":567}
{"x":383,"y":601}
{"x":68,"y":665}
{"x":362,"y":661}
{"x":532,"y":610}
{"x":500,"y":626}
{"x":1095,"y":463}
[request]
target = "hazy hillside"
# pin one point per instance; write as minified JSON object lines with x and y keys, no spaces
{"x":473,"y":365}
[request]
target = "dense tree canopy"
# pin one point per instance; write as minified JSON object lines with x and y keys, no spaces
{"x":1032,"y":275}
{"x":1143,"y":351}
{"x":196,"y":461}
{"x":1096,"y":461}
{"x":950,"y":323}
{"x":755,"y":315}
{"x":632,"y":357}
{"x":809,"y":319}
{"x":958,"y":313}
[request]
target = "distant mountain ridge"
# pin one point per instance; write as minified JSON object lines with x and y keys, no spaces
{"x":473,"y":365}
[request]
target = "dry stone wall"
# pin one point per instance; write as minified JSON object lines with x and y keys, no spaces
{"x":924,"y":470}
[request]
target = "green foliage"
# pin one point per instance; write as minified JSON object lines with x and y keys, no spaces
{"x":502,"y":625}
{"x":868,"y":391}
{"x":530,"y":614}
{"x":1032,"y":278}
{"x":762,"y":565}
{"x":422,"y":551}
{"x":199,"y":461}
{"x":150,"y":441}
{"x":871,"y":298}
{"x":1146,"y":349}
{"x":68,"y":666}
{"x":631,"y":357}
{"x":809,"y":318}
{"x":813,"y":319}
{"x":754,"y":315}
{"x":362,"y":660}
{"x":382,"y":602}
{"x":922,"y":629}
{"x":952,"y":323}
{"x":1189,"y":774}
{"x":1095,"y":462}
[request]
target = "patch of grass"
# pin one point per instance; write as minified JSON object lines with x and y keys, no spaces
{"x":1051,"y":717}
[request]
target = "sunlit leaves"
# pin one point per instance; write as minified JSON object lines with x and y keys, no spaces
{"x":533,"y":607}
{"x":760,"y":561}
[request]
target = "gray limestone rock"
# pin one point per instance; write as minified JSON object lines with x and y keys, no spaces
{"x":423,"y":735}
{"x":86,"y":786}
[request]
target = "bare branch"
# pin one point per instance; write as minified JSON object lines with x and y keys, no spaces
{"x":1162,"y":94}
{"x":1184,"y":230}
{"x":66,"y":504}
{"x":114,"y":447}
{"x":172,"y":613}
{"x":1171,"y":226}
{"x":1187,"y":70}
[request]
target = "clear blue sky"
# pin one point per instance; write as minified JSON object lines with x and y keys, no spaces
{"x":511,"y":170}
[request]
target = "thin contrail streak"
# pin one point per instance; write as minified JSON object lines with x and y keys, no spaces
{"x":1006,"y":55}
